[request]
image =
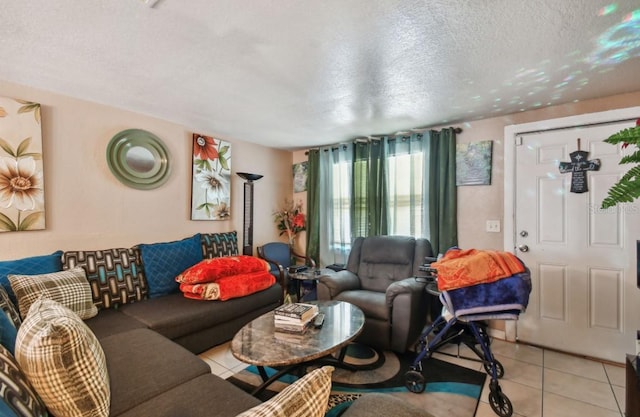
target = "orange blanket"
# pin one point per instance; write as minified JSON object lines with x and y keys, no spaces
{"x":462,"y":268}
{"x":233,"y":286}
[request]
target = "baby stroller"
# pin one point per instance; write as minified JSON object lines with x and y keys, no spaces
{"x":463,"y":320}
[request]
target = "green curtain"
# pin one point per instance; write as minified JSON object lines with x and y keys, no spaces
{"x":313,"y":205}
{"x":369,"y":213}
{"x":442,"y":190}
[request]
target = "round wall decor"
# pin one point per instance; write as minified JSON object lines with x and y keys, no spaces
{"x":138,"y":159}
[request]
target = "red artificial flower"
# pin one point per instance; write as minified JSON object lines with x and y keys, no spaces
{"x":204,"y":147}
{"x":298,"y":220}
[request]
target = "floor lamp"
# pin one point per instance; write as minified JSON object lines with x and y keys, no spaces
{"x":247,"y":229}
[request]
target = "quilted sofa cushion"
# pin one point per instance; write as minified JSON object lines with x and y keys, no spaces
{"x":115,"y":275}
{"x":164,"y":261}
{"x":17,"y":396}
{"x":34,"y":265}
{"x":215,"y":245}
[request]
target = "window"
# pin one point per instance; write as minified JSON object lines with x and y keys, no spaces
{"x":406,"y":200}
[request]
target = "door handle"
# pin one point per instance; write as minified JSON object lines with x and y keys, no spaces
{"x":523,"y":248}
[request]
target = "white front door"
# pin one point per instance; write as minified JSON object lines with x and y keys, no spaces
{"x":582,"y":259}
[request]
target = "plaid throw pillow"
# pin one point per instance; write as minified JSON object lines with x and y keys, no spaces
{"x":307,"y":397}
{"x":70,"y":288}
{"x":63,"y":361}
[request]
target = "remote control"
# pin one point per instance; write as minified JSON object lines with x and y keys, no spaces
{"x":318,"y":320}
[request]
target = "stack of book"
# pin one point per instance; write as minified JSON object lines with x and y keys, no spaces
{"x":294,"y":318}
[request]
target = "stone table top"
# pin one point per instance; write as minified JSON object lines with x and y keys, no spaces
{"x":258,"y":343}
{"x":311,"y":274}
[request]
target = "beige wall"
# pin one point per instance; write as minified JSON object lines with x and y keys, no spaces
{"x":479,"y":203}
{"x":88,"y":208}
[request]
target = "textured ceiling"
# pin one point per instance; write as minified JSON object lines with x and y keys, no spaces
{"x":298,"y":73}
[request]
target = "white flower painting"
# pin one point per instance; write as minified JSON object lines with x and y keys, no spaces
{"x":21,"y":180}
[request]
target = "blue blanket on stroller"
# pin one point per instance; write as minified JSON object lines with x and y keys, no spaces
{"x":502,"y":299}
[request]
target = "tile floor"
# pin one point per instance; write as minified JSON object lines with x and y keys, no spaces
{"x":539,"y":382}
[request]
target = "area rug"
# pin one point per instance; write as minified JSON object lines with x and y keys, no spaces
{"x":451,"y":390}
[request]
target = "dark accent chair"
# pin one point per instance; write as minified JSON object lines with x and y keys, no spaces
{"x":380,"y":279}
{"x":280,"y":257}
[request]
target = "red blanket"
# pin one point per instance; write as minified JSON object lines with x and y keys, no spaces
{"x":233,"y":286}
{"x":462,"y":268}
{"x":211,"y":270}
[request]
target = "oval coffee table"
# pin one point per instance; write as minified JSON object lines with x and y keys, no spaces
{"x":258,"y":343}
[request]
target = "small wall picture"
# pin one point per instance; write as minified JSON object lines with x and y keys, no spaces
{"x":473,"y":163}
{"x":210,"y":187}
{"x":21,"y":166}
{"x":300,"y":173}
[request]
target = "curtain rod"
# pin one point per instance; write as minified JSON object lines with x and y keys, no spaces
{"x":367,"y":139}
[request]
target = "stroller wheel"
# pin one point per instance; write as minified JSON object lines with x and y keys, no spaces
{"x":414,"y":381}
{"x":499,"y":368}
{"x":500,"y":404}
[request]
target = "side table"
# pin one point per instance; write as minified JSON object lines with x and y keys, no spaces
{"x":310,"y":274}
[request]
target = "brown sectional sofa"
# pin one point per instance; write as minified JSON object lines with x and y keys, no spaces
{"x":150,"y":344}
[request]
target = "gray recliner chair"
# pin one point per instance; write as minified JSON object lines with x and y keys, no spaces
{"x":380,"y":279}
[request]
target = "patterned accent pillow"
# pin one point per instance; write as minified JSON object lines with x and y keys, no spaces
{"x":115,"y":275}
{"x":63,"y":361}
{"x":17,"y":396}
{"x":307,"y":397}
{"x":9,"y":308}
{"x":29,"y":266}
{"x":163,"y":262}
{"x":215,"y":245}
{"x":70,"y":288}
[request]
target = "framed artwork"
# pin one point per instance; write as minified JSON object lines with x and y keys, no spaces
{"x":473,"y":163}
{"x":300,"y":173}
{"x":21,"y":166}
{"x":211,"y":179}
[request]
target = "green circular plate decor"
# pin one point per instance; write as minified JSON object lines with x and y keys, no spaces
{"x":138,"y":159}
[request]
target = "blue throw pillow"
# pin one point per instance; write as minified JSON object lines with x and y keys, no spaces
{"x":29,"y":266}
{"x":163,"y":262}
{"x":8,"y":333}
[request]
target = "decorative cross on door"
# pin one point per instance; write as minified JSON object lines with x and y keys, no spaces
{"x":578,"y":167}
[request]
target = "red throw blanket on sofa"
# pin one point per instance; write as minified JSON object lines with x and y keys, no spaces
{"x":225,"y":278}
{"x":210,"y":270}
{"x":233,"y":286}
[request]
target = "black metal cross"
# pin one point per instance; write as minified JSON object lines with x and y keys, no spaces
{"x":578,"y":167}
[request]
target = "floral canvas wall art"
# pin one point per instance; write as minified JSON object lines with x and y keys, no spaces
{"x":21,"y":178}
{"x":211,"y":182}
{"x":300,"y":174}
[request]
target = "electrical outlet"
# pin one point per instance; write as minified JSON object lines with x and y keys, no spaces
{"x":493,"y":226}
